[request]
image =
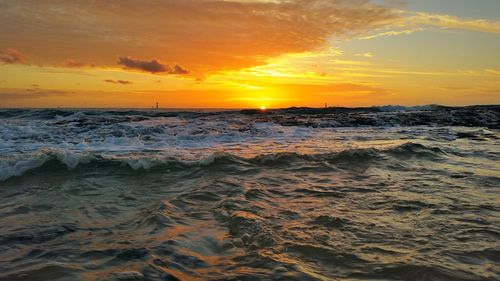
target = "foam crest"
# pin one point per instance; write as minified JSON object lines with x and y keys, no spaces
{"x":148,"y":160}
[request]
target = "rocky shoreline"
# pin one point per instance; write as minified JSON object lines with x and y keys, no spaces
{"x":487,"y":116}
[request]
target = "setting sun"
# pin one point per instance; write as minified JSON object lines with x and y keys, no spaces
{"x":263,"y":107}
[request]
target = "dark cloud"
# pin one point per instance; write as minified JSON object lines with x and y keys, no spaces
{"x":70,"y":63}
{"x":11,"y":56}
{"x":30,"y":93}
{"x":177,"y":69}
{"x":152,"y":66}
{"x":123,"y":82}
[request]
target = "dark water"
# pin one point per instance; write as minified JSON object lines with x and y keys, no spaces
{"x":108,"y":195}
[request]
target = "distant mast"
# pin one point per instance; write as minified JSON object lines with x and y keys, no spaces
{"x":157,"y":105}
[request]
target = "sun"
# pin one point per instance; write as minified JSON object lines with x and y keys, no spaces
{"x":263,"y":107}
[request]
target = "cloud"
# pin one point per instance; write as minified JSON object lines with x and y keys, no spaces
{"x":153,"y":66}
{"x":31,"y":93}
{"x":262,"y":99}
{"x":392,"y":33}
{"x":493,"y":72}
{"x":335,"y":88}
{"x":123,"y":82}
{"x":411,"y":22}
{"x":365,"y":55}
{"x":178,"y":70}
{"x":206,"y":35}
{"x":448,"y":21}
{"x":71,"y":63}
{"x":11,"y":56}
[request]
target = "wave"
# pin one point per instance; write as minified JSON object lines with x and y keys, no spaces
{"x":54,"y":158}
{"x":77,"y":114}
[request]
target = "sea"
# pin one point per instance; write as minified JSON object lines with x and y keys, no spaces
{"x":377,"y":194}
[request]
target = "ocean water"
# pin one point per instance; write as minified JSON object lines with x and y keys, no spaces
{"x":160,"y":195}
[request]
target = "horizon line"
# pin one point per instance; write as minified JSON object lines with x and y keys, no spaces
{"x":250,"y":108}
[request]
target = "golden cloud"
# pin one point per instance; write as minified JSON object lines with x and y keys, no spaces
{"x":203,"y":35}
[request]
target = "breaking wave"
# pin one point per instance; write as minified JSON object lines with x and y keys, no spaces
{"x":54,"y":158}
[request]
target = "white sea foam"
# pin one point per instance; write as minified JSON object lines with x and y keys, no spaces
{"x":146,"y":142}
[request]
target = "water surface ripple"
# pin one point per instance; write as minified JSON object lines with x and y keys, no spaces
{"x":128,"y":195}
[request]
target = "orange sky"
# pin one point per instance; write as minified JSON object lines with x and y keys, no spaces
{"x":235,"y":54}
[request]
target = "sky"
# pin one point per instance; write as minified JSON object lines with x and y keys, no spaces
{"x":248,"y":53}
